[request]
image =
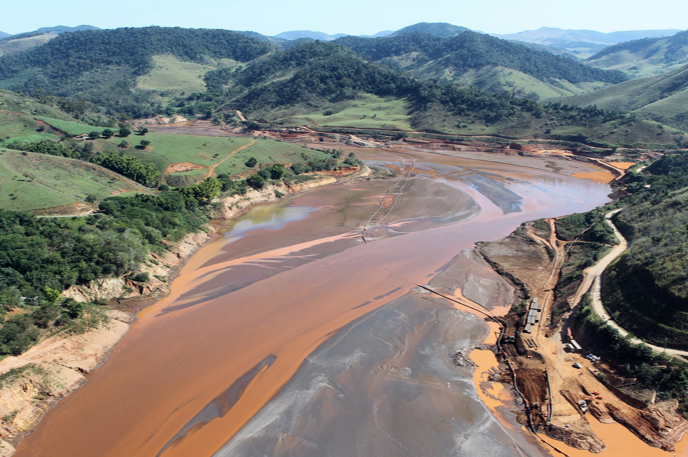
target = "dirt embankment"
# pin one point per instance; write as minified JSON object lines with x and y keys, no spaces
{"x":544,"y":368}
{"x":35,"y":381}
{"x":160,"y":269}
{"x":159,"y":121}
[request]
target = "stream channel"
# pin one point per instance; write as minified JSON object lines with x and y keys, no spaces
{"x":288,"y":335}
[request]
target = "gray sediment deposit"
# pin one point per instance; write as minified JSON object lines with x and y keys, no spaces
{"x":385,"y":385}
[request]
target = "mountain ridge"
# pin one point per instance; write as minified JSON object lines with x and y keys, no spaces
{"x":441,"y":29}
{"x":582,"y":43}
{"x":458,"y":58}
{"x":298,"y":34}
{"x":646,"y":57}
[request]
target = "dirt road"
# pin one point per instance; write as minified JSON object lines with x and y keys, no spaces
{"x":594,"y":274}
{"x":231,"y":154}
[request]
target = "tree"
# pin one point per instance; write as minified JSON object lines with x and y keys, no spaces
{"x":141,"y":277}
{"x":52,"y":295}
{"x":123,"y":144}
{"x":94,"y":135}
{"x":277,"y":171}
{"x":145,"y":143}
{"x":90,"y":198}
{"x":203,"y":191}
{"x":72,"y":308}
{"x":142,"y":130}
{"x":252,"y":162}
{"x":265,"y":173}
{"x":107,"y":133}
{"x":124,"y":132}
{"x":256,"y":181}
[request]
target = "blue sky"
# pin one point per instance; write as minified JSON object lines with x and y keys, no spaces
{"x":354,"y":17}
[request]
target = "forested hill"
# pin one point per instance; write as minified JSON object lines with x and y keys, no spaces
{"x":646,"y":57}
{"x":646,"y":290}
{"x":662,"y":98}
{"x":317,"y":74}
{"x":55,"y":65}
{"x":472,"y":51}
{"x":441,"y":29}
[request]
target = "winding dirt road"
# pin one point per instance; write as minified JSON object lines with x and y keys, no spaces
{"x":594,"y":274}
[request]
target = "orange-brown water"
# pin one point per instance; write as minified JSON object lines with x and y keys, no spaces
{"x":596,"y":176}
{"x":240,"y":319}
{"x":622,"y":165}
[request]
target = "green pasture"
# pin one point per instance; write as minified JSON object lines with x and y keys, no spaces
{"x":368,"y":111}
{"x":268,"y":151}
{"x":170,"y":73}
{"x":72,"y":128}
{"x":31,"y":181}
{"x":20,"y":127}
{"x":166,"y":149}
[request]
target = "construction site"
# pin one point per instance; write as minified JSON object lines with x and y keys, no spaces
{"x":557,"y":383}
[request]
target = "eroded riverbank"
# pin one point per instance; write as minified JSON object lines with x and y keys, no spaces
{"x":244,"y":314}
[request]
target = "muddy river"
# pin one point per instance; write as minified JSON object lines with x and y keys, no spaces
{"x":300,"y":330}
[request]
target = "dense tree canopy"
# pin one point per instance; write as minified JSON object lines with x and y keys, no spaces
{"x":472,"y":51}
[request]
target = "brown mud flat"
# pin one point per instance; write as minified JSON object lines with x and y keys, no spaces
{"x":219,"y":324}
{"x":523,"y":258}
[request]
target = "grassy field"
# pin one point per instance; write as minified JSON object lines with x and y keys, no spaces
{"x":20,"y":127}
{"x":367,"y":111}
{"x":31,"y":181}
{"x":206,"y":151}
{"x":499,"y":79}
{"x":646,"y":61}
{"x":71,"y":128}
{"x":23,"y":44}
{"x":166,"y":149}
{"x":170,"y":73}
{"x":267,"y":151}
{"x":11,"y":101}
{"x":660,"y":97}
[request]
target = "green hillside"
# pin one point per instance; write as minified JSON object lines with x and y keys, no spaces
{"x":661,"y":98}
{"x":646,"y":290}
{"x":199,"y":153}
{"x":18,"y":103}
{"x":15,"y":45}
{"x":30,"y":181}
{"x":646,"y":57}
{"x":332,"y":86}
{"x":102,"y":66}
{"x":483,"y":61}
{"x":138,"y":73}
{"x":169,"y":73}
{"x":582,"y":43}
